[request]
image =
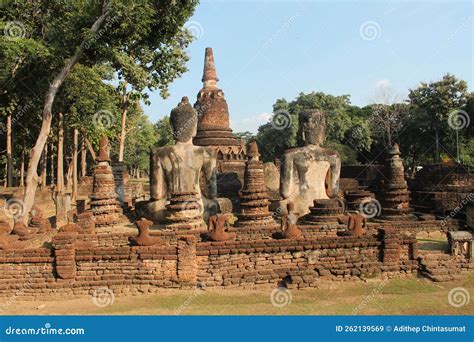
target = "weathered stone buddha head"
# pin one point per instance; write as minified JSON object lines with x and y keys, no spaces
{"x":312,"y":127}
{"x":183,"y":121}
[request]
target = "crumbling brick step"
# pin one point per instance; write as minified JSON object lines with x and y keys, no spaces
{"x":440,"y":267}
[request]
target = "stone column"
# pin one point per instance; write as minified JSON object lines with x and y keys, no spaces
{"x":65,"y":254}
{"x":187,"y":266}
{"x":390,"y":245}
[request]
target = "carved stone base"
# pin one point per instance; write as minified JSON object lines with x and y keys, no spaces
{"x":184,"y":211}
{"x":324,"y":211}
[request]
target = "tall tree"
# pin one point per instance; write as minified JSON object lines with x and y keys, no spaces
{"x":436,"y":101}
{"x":387,"y":121}
{"x":141,"y":138}
{"x":163,"y":132}
{"x":135,"y":37}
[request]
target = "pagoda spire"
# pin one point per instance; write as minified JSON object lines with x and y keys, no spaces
{"x":209,"y":77}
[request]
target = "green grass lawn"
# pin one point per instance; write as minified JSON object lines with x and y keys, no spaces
{"x":411,"y":295}
{"x":432,"y":244}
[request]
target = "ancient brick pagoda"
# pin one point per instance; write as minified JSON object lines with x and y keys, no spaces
{"x":254,"y":197}
{"x":104,"y":204}
{"x":395,"y":197}
{"x":213,"y":124}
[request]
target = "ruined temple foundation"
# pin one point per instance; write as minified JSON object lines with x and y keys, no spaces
{"x":254,"y":197}
{"x":395,"y":195}
{"x":441,"y":188}
{"x":324,"y":211}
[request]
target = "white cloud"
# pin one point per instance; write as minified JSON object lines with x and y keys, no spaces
{"x":250,"y":123}
{"x":383,"y":83}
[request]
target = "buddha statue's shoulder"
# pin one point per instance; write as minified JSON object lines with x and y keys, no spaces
{"x":294,"y":150}
{"x":330,"y":152}
{"x":163,"y":150}
{"x":207,"y":151}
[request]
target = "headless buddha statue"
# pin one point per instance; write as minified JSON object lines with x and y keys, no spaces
{"x":356,"y":224}
{"x":176,"y":173}
{"x":309,"y":172}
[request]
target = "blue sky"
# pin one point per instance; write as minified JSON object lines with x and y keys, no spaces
{"x":265,"y":50}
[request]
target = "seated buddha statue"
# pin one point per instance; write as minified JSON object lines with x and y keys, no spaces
{"x":309,"y":172}
{"x":177,"y":174}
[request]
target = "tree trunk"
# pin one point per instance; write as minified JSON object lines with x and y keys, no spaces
{"x":44,"y":165}
{"x":51,"y":165}
{"x":69,"y":174}
{"x":35,"y":154}
{"x":9,"y":151}
{"x":60,"y":156}
{"x":74,"y":164}
{"x":89,"y":147}
{"x":5,"y":178}
{"x":83,"y":158}
{"x":437,"y":146}
{"x":22,"y":169}
{"x":123,"y":131}
{"x":413,"y":165}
